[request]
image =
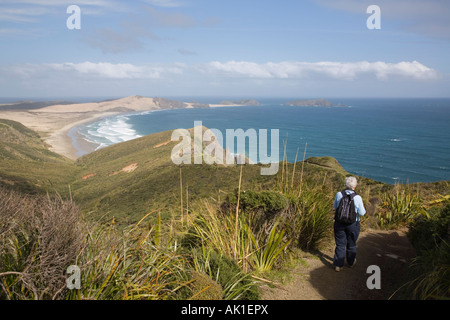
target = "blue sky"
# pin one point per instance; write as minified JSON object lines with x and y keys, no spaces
{"x":247,"y":48}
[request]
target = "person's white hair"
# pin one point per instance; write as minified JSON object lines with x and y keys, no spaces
{"x":351,"y":183}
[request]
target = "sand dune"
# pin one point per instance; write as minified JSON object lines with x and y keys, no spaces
{"x":134,"y":103}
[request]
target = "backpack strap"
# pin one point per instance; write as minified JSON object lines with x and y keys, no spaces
{"x":351,"y":195}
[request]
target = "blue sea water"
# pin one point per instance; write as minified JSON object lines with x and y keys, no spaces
{"x":389,"y":140}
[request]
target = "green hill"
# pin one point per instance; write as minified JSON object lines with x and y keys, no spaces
{"x":26,"y":163}
{"x":130,"y":179}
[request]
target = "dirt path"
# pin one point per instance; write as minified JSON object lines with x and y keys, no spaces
{"x":316,"y":279}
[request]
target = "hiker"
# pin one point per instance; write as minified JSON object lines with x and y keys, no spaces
{"x":349,"y":207}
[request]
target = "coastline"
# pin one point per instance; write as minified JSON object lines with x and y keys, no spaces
{"x":81,"y":145}
{"x":56,"y":124}
{"x":59,"y":130}
{"x":68,"y":142}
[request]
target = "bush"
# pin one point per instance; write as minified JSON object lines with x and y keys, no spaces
{"x":204,"y":288}
{"x":431,"y":238}
{"x":270,"y":202}
{"x":39,"y":238}
{"x":427,"y":233}
{"x":261,"y":206}
{"x":236,"y":284}
{"x":307,"y":218}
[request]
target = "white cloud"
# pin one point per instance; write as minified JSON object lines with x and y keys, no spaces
{"x":346,"y":71}
{"x":407,"y":79}
{"x":106,"y":70}
{"x":102,"y":69}
{"x":337,"y":70}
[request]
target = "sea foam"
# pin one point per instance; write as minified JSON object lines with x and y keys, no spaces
{"x":109,"y":131}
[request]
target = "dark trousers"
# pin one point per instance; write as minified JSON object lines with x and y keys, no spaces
{"x":345,"y":236}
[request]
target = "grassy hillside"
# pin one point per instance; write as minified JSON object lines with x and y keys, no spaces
{"x":130,"y":179}
{"x":26,"y":163}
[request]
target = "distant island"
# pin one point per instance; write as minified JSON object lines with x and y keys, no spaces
{"x":309,"y":103}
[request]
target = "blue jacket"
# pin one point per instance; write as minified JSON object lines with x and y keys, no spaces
{"x":359,"y":205}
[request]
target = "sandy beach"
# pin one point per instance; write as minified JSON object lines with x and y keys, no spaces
{"x":54,"y":128}
{"x":55,"y":123}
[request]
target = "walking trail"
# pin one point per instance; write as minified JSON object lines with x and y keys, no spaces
{"x":316,"y":279}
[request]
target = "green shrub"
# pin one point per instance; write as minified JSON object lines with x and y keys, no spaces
{"x":270,"y":202}
{"x":426,"y":233}
{"x":431,"y":238}
{"x":204,"y":288}
{"x":308,"y":217}
{"x":236,"y":284}
{"x":269,"y":250}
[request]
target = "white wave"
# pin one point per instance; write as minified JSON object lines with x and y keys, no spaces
{"x":110,"y":131}
{"x":144,"y":112}
{"x":396,"y":140}
{"x":102,"y":145}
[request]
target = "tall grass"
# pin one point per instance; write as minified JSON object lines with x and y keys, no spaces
{"x":129,"y":264}
{"x":234,"y":237}
{"x":224,"y":233}
{"x":40,"y":237}
{"x":269,"y":250}
{"x":430,"y":237}
{"x":235,"y":283}
{"x":434,"y":282}
{"x":307,"y":217}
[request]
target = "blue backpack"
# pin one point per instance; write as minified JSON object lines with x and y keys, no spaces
{"x":346,"y":212}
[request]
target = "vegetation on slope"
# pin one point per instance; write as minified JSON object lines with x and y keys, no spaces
{"x":27,"y":165}
{"x":148,"y":229}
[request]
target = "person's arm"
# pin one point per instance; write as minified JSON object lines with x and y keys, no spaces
{"x":337,"y":199}
{"x":359,"y":205}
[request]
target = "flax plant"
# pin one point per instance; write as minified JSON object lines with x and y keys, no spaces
{"x":129,"y":265}
{"x":399,"y":208}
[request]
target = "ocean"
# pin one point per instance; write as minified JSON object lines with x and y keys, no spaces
{"x":388,"y":140}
